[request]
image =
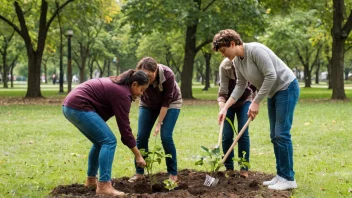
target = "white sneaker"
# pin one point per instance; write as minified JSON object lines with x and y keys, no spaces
{"x":272,"y":182}
{"x":283,"y":184}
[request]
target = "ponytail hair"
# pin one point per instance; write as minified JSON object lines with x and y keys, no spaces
{"x":130,"y":76}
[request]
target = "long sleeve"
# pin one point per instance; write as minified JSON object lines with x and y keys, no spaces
{"x":266,"y":66}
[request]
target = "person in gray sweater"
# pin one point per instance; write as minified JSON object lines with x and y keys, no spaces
{"x":260,"y":66}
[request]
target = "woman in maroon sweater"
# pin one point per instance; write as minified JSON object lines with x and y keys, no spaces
{"x":89,"y":106}
{"x":161,"y":102}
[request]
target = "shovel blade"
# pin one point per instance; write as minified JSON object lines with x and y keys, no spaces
{"x":210,"y":181}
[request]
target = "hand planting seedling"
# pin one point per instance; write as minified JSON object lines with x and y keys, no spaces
{"x":156,"y":155}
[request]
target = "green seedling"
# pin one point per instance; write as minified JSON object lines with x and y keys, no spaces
{"x":156,"y":155}
{"x":242,"y":162}
{"x":211,"y":162}
{"x":170,"y":184}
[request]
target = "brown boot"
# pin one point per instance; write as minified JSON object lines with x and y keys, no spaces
{"x":105,"y":188}
{"x":91,"y":182}
{"x":243,"y":173}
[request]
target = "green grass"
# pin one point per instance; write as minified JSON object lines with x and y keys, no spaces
{"x":40,"y":149}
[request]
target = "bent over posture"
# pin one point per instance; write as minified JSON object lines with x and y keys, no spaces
{"x":260,"y":66}
{"x":89,"y":106}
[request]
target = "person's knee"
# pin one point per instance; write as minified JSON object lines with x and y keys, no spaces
{"x":111,"y":141}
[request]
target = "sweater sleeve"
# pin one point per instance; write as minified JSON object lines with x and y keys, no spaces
{"x":168,"y":87}
{"x":121,"y":109}
{"x":224,"y":85}
{"x":262,"y":59}
{"x":241,"y":85}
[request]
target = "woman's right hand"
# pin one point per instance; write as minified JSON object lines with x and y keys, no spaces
{"x":140,"y":161}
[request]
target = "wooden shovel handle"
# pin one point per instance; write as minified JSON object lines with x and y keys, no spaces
{"x":220,"y":133}
{"x":236,"y":140}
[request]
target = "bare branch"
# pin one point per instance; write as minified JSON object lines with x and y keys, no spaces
{"x":203,"y":44}
{"x":347,"y":27}
{"x":11,"y":24}
{"x":56,"y":12}
{"x":206,"y":7}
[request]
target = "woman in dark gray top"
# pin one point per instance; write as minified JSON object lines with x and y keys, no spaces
{"x":89,"y":106}
{"x":260,"y":66}
{"x":161,"y":102}
{"x":239,"y":110}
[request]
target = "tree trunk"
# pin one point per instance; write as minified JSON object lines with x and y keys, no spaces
{"x":82,"y":69}
{"x":11,"y":72}
{"x":5,"y":78}
{"x":317,"y":73}
{"x":188,"y":61}
{"x":307,"y":77}
{"x":338,"y":91}
{"x":207,"y":58}
{"x":328,"y":58}
{"x":339,"y":35}
{"x":34,"y":63}
{"x":347,"y":71}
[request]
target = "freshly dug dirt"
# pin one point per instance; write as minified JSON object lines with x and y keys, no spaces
{"x":191,"y":184}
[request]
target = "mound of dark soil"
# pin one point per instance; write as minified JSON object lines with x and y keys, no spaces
{"x":191,"y":184}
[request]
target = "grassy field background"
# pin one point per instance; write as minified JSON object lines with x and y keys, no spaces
{"x":40,"y":149}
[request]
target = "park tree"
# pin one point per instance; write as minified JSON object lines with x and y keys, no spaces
{"x":8,"y":56}
{"x":199,"y":20}
{"x":166,"y":48}
{"x":300,"y":33}
{"x":87,"y":29}
{"x":35,"y":44}
{"x":341,"y":25}
{"x":341,"y":28}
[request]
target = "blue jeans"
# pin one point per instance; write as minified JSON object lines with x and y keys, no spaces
{"x":102,"y":153}
{"x":228,"y":134}
{"x":146,"y":120}
{"x":281,"y":108}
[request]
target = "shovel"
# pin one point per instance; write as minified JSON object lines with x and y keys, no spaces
{"x":220,"y":135}
{"x":211,"y":181}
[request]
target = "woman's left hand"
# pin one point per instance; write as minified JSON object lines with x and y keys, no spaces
{"x":157,"y":129}
{"x":253,"y":110}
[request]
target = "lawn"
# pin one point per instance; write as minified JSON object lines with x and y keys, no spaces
{"x":40,"y":149}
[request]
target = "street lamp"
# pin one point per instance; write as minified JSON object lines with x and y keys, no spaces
{"x":69,"y":34}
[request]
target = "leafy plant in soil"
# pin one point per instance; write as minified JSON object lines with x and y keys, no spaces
{"x":242,"y":162}
{"x":211,"y":162}
{"x":155,"y":155}
{"x":170,"y":184}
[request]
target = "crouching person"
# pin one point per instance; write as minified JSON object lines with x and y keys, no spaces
{"x":89,"y":106}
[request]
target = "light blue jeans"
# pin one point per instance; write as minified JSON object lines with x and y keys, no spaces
{"x":102,"y":153}
{"x":146,"y":120}
{"x":281,"y":109}
{"x":228,"y":134}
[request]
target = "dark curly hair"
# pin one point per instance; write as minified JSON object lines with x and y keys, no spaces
{"x":224,"y":38}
